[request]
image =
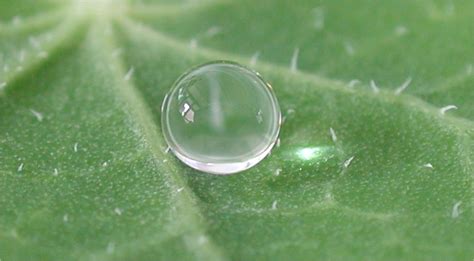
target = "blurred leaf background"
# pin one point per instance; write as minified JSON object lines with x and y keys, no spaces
{"x":83,"y":170}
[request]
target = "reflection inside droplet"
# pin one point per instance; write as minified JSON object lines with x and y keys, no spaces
{"x":259,"y":116}
{"x":187,"y":112}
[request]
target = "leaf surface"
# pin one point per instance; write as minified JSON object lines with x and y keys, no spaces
{"x":83,"y":168}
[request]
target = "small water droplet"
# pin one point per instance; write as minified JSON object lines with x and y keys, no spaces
{"x":221,"y":118}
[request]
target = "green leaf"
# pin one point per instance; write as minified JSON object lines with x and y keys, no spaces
{"x":83,"y":170}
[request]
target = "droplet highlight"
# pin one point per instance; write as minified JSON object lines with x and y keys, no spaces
{"x":221,"y":118}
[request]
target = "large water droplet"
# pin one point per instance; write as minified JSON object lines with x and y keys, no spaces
{"x":221,"y":118}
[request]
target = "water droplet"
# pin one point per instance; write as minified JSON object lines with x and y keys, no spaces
{"x":221,"y":118}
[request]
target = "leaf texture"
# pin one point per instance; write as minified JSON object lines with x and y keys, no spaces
{"x":363,"y":171}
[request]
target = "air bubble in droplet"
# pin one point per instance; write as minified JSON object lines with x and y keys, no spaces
{"x":221,"y":118}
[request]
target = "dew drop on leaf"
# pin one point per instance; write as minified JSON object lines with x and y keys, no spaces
{"x":221,"y":118}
